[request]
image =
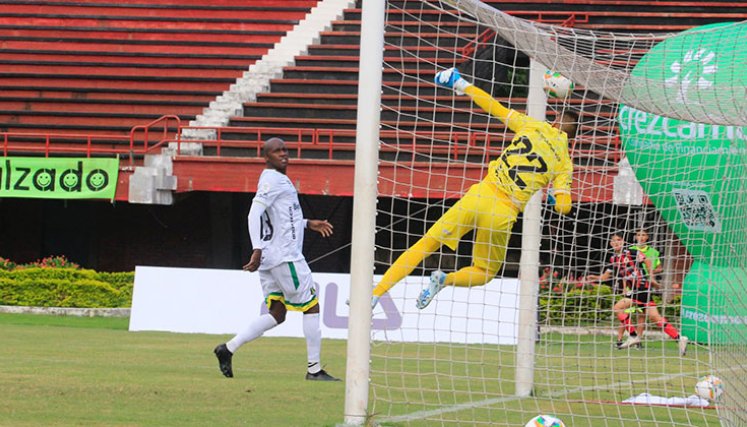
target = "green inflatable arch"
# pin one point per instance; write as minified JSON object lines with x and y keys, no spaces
{"x":695,"y":174}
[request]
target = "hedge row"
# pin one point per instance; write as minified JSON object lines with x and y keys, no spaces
{"x":65,"y":287}
{"x":577,"y":306}
{"x":591,"y":306}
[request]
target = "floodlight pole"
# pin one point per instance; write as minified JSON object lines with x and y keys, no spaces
{"x":529,"y":264}
{"x":364,"y":210}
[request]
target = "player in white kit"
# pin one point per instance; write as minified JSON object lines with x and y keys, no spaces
{"x":276,"y":227}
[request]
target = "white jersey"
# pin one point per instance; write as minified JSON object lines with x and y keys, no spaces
{"x":282,"y":226}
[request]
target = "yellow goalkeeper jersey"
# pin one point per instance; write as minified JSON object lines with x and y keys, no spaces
{"x":537,"y":155}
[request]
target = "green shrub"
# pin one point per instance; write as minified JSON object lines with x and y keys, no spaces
{"x":49,"y":292}
{"x":592,"y":306}
{"x":122,"y":281}
{"x":65,"y":287}
{"x":577,"y":306}
{"x":37,"y":273}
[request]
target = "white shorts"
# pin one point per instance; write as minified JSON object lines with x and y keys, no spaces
{"x":291,"y":284}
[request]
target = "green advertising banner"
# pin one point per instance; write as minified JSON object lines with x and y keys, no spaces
{"x":695,"y":173}
{"x":58,"y":177}
{"x":711,"y":312}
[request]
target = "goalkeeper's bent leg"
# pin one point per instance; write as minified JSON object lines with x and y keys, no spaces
{"x":468,"y":276}
{"x":406,"y":262}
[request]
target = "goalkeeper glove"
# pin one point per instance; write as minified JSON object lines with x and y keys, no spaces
{"x":563,"y":203}
{"x":560,"y":202}
{"x":452,"y":79}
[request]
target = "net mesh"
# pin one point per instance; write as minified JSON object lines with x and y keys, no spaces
{"x":455,"y":362}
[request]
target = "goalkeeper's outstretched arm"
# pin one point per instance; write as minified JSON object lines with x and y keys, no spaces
{"x":488,"y":103}
{"x":451,"y":78}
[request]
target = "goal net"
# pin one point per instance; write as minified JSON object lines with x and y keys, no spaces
{"x":662,"y":147}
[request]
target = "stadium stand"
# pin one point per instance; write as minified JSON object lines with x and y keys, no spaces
{"x":100,"y":67}
{"x":319,"y":90}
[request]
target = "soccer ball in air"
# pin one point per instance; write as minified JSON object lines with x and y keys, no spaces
{"x":709,"y":387}
{"x":544,"y":421}
{"x":555,"y":85}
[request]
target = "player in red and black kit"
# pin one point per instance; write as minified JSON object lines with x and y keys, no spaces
{"x":626,"y":265}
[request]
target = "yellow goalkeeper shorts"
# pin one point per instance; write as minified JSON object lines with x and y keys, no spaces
{"x":491,"y":215}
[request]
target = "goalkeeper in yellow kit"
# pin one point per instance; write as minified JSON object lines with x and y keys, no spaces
{"x":538,"y":155}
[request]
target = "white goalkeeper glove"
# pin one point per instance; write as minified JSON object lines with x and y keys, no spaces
{"x":452,"y":79}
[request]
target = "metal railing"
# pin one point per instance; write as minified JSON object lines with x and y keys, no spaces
{"x":142,"y":139}
{"x":333,"y":140}
{"x":248,"y":141}
{"x":148,"y":129}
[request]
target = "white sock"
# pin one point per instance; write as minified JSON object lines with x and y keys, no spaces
{"x":313,"y":334}
{"x":254,"y":331}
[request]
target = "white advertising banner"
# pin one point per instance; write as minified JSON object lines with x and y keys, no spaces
{"x":225,"y":301}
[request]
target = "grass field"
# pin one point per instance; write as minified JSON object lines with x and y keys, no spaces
{"x":581,"y":378}
{"x":66,"y":371}
{"x":62,"y":371}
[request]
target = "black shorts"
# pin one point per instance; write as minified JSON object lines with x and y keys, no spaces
{"x":642,"y":298}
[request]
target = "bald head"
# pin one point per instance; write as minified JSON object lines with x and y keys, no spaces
{"x":271,"y":144}
{"x":276,"y":154}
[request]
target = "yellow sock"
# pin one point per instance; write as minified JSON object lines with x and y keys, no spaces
{"x":468,"y":276}
{"x":406,"y":262}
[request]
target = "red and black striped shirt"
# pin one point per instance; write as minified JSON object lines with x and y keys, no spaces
{"x":628,"y":267}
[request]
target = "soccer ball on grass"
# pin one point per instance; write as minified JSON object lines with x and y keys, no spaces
{"x":545,"y":421}
{"x":556,"y":86}
{"x":709,"y":387}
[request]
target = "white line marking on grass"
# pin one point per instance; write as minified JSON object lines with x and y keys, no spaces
{"x":487,"y":402}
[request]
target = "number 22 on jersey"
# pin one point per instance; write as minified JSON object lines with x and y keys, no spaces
{"x":520,"y":159}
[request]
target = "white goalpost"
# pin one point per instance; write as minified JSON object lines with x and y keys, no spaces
{"x":364,"y":206}
{"x":531,"y":232}
{"x":661,"y":154}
